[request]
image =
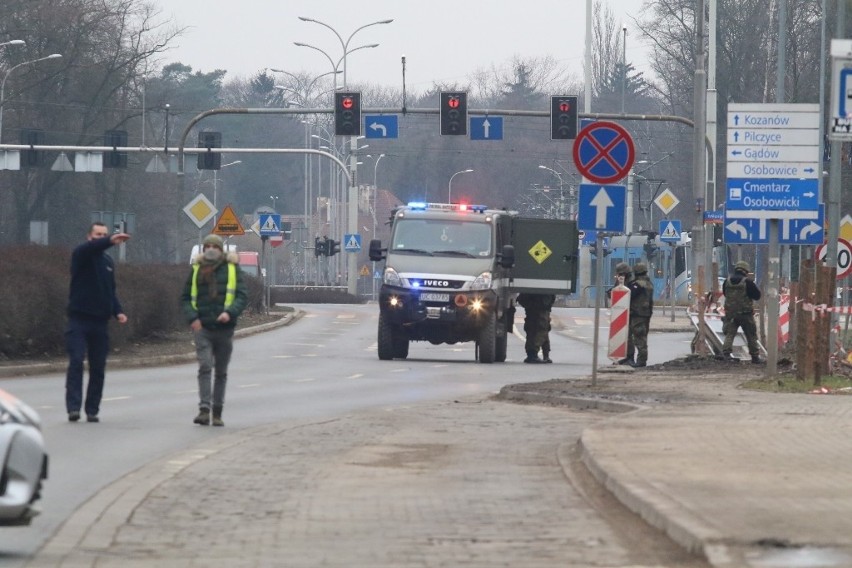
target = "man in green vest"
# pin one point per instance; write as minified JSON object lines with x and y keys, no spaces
{"x":641,"y":310}
{"x":213,"y":296}
{"x":740,"y":294}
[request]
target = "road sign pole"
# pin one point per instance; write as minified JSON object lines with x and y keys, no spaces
{"x":772,"y":307}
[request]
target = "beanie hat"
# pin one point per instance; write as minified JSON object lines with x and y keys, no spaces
{"x":214,"y":240}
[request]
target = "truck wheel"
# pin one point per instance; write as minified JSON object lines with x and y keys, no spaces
{"x":501,"y":347}
{"x":487,"y":341}
{"x":400,"y":345}
{"x":386,"y":342}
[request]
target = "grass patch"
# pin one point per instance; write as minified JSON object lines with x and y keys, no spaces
{"x":787,"y":384}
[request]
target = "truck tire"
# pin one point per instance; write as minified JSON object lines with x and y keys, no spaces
{"x":487,"y":342}
{"x":502,"y":345}
{"x":386,"y":342}
{"x":400,"y":345}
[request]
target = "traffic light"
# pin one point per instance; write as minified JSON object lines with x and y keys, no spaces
{"x":114,"y":159}
{"x":209,"y":160}
{"x":319,"y":247}
{"x":347,"y":114}
{"x":563,"y":117}
{"x":332,"y":247}
{"x":453,"y":113}
{"x":32,"y":137}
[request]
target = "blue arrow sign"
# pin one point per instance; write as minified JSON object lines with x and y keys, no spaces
{"x":352,"y":243}
{"x":791,"y":231}
{"x":270,"y":224}
{"x":381,"y":126}
{"x":670,"y":230}
{"x":601,"y":208}
{"x":486,"y":128}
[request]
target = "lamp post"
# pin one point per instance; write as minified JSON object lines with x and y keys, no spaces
{"x":623,"y":65}
{"x":274,"y":199}
{"x":6,"y":76}
{"x":352,"y":265}
{"x":13,"y":42}
{"x":561,"y":195}
{"x":450,"y":185}
{"x":216,"y":187}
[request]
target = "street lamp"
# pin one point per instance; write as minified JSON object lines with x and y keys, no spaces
{"x":561,"y":194}
{"x":6,"y":76}
{"x":450,"y":192}
{"x":13,"y":42}
{"x":345,"y":44}
{"x":216,"y":185}
{"x":274,"y":199}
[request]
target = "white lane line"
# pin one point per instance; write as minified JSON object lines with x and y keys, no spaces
{"x":308,"y":380}
{"x":283,"y":356}
{"x":108,"y":399}
{"x":249,"y":386}
{"x":355,"y":376}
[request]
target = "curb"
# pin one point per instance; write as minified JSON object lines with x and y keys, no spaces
{"x":131,"y":362}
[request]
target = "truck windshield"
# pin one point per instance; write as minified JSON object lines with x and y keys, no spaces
{"x":442,"y":237}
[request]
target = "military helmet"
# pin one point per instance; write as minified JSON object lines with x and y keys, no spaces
{"x":742,"y":266}
{"x":622,"y":268}
{"x":640,"y":268}
{"x":214,"y":240}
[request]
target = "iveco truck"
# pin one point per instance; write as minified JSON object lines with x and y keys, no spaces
{"x":452,"y":273}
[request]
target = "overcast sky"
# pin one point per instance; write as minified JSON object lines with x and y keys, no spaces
{"x":443,"y":42}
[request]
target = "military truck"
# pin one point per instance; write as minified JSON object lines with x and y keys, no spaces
{"x":452,"y":273}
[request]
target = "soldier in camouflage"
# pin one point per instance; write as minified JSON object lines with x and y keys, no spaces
{"x":740,"y":294}
{"x":641,"y":309}
{"x":537,"y":325}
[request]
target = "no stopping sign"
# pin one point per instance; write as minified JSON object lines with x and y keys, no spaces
{"x":844,"y":257}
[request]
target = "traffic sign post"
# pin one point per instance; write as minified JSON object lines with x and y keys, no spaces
{"x":603,"y":152}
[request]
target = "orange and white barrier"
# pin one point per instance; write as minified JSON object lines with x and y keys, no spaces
{"x":619,"y":321}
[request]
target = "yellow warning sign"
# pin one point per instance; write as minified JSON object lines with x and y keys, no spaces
{"x":228,"y":224}
{"x":365,"y":271}
{"x":540,"y":252}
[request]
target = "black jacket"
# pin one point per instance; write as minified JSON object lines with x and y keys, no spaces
{"x":92,"y":291}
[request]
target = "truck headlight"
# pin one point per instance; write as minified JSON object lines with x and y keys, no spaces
{"x":391,"y":278}
{"x":482,"y":282}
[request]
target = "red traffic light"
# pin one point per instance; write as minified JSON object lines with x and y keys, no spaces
{"x":347,"y":102}
{"x":453,"y":102}
{"x":564,"y":106}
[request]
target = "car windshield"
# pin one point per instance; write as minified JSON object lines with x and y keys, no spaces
{"x":458,"y":238}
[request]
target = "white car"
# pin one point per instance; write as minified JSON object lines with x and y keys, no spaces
{"x":24,"y":465}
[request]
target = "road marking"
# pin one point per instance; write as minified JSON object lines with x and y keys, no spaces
{"x":302,"y":380}
{"x":355,"y":376}
{"x":283,"y":356}
{"x":108,"y":399}
{"x":249,"y":386}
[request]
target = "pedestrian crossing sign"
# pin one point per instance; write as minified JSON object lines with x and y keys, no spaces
{"x":670,"y":230}
{"x":352,"y":242}
{"x":270,"y":225}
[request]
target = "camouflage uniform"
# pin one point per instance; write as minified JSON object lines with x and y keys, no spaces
{"x":537,"y":325}
{"x":641,"y":309}
{"x":740,"y":293}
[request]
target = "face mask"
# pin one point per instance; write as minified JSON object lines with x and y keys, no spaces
{"x":212,"y":254}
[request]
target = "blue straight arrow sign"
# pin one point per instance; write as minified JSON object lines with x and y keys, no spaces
{"x":601,"y":208}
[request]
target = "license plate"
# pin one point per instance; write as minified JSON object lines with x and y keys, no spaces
{"x":434,"y":297}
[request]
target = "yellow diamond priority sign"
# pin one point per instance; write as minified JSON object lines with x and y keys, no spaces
{"x":200,"y":210}
{"x":666,"y":201}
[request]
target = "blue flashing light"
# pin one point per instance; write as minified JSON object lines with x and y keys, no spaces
{"x":415,"y":283}
{"x":461,"y":207}
{"x":418,"y":205}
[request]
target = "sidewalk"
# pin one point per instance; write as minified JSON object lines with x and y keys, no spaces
{"x":741,"y":478}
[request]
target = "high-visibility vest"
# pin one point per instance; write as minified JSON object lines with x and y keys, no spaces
{"x":230,"y":288}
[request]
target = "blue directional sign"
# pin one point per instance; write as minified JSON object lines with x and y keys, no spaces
{"x":714,"y":217}
{"x":843,"y":100}
{"x":270,"y":224}
{"x":352,"y":243}
{"x":601,"y":208}
{"x":381,"y":126}
{"x":486,"y":128}
{"x":791,"y":231}
{"x":670,"y":230}
{"x":786,"y":197}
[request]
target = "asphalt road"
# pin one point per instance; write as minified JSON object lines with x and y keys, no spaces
{"x":323,"y":366}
